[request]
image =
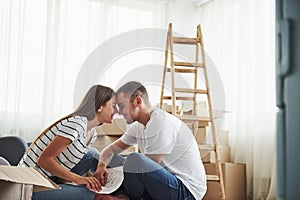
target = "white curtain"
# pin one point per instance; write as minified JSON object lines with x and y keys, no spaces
{"x":43,"y":44}
{"x":239,"y":37}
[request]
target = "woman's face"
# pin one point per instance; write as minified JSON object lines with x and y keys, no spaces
{"x":107,"y":111}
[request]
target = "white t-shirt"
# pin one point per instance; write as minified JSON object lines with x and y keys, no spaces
{"x":166,"y":134}
{"x":73,"y":128}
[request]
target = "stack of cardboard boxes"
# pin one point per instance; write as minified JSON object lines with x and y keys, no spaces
{"x":234,"y":175}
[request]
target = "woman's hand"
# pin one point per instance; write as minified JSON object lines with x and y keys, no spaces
{"x":90,"y":182}
{"x":101,"y":174}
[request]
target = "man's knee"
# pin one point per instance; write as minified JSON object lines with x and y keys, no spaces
{"x":139,"y":163}
{"x":133,"y":163}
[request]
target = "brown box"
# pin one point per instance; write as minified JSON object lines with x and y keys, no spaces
{"x":209,"y":156}
{"x":108,"y":133}
{"x":201,"y":135}
{"x":103,"y":141}
{"x":168,"y":108}
{"x":234,"y":181}
{"x":20,"y":182}
{"x":116,"y":128}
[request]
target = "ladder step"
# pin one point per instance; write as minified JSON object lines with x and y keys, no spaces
{"x":188,"y":64}
{"x":194,"y":118}
{"x":185,"y":90}
{"x":207,"y":147}
{"x":184,"y":40}
{"x":180,"y":70}
{"x":212,"y":178}
{"x":200,"y":124}
{"x":179,"y":98}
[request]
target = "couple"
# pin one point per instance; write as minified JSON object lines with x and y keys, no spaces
{"x":168,"y":165}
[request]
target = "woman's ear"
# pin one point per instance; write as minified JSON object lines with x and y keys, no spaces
{"x":100,"y":109}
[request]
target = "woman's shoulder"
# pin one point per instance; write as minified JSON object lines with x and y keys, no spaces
{"x":76,"y":119}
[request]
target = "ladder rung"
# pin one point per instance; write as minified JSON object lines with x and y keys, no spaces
{"x":200,"y":124}
{"x":188,"y":64}
{"x":207,"y":147}
{"x":184,"y":40}
{"x":179,"y":98}
{"x":212,"y":178}
{"x":194,"y":118}
{"x":180,"y":70}
{"x":185,"y":90}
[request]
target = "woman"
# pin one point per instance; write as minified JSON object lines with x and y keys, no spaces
{"x":62,"y":151}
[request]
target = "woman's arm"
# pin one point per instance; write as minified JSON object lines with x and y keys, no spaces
{"x":47,"y":161}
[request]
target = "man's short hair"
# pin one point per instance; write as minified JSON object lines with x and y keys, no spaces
{"x":133,"y":89}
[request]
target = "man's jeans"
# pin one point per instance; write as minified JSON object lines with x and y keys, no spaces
{"x":146,"y":179}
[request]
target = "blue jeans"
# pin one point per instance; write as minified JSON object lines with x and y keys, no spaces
{"x":88,"y":162}
{"x":146,"y":179}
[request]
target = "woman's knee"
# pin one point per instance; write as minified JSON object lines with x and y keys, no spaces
{"x":94,"y":152}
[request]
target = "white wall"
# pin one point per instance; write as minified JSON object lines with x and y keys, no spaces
{"x":184,"y":15}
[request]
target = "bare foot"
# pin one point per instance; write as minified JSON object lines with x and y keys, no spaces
{"x":110,"y":197}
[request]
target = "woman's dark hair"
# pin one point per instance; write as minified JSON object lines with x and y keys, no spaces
{"x":97,"y":96}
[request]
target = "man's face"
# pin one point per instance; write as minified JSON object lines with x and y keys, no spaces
{"x":126,"y":108}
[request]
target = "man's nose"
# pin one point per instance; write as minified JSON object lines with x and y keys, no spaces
{"x":115,"y":110}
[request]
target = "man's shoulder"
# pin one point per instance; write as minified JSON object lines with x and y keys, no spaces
{"x":134,"y":127}
{"x":160,"y":114}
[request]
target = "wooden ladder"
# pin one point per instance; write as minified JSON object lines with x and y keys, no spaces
{"x":191,"y":94}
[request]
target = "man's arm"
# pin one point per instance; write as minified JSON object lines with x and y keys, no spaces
{"x":105,"y":157}
{"x":113,"y":149}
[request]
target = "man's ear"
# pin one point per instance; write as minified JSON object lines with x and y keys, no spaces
{"x":139,"y":101}
{"x":100,"y":109}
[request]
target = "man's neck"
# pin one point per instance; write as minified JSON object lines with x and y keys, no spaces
{"x":145,"y":115}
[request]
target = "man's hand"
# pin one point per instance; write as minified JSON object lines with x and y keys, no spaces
{"x":101,"y":174}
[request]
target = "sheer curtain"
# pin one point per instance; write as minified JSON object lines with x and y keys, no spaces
{"x":43,"y":44}
{"x":239,"y":37}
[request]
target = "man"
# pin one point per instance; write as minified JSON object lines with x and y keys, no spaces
{"x":169,"y":165}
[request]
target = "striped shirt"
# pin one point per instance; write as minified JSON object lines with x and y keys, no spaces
{"x":73,"y":128}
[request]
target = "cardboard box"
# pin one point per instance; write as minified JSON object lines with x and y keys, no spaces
{"x":209,"y":156}
{"x":201,"y":135}
{"x":168,"y":108}
{"x":234,"y":181}
{"x":116,"y":128}
{"x":201,"y":108}
{"x":108,"y":133}
{"x":103,"y":141}
{"x":20,"y":182}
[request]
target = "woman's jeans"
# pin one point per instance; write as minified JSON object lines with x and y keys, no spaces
{"x":146,"y":179}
